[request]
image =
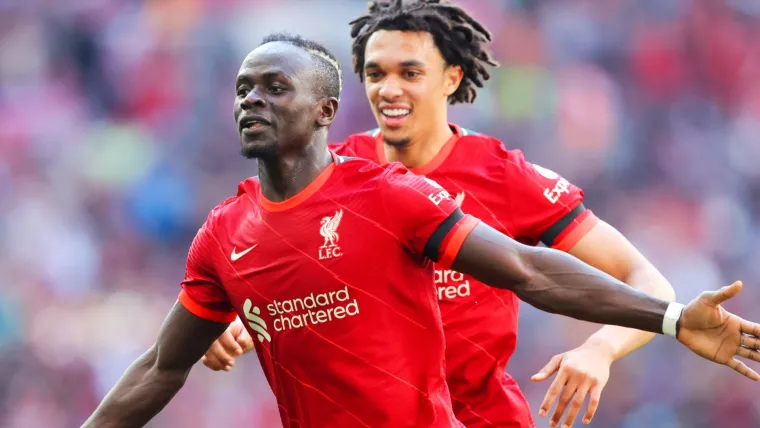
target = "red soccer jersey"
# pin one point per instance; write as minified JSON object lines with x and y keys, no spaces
{"x":335,"y":290}
{"x":527,"y":202}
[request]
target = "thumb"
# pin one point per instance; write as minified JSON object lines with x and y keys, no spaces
{"x":549,"y":369}
{"x":725,"y":293}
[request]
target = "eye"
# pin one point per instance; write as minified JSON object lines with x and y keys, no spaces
{"x":411,"y":74}
{"x":372,"y":75}
{"x":276,"y":89}
{"x":241,"y":91}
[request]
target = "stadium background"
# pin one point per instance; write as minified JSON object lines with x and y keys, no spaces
{"x":116,"y":138}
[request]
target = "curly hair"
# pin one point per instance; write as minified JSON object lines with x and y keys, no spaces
{"x":458,"y":37}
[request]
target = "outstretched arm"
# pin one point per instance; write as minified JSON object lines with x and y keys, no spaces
{"x":608,"y":250}
{"x":556,"y":282}
{"x":153,"y":379}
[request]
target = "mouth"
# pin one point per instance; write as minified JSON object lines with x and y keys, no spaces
{"x":252,"y":123}
{"x":394,"y":117}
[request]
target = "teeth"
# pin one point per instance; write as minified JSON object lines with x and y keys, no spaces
{"x":395,"y":112}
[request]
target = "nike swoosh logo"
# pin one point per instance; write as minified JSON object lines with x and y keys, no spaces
{"x":234,"y":256}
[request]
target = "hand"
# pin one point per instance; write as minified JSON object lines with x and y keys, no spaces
{"x":718,"y":335}
{"x":234,"y":342}
{"x":582,"y":371}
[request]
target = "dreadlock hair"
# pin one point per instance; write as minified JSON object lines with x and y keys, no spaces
{"x":458,"y":37}
{"x":327,"y":66}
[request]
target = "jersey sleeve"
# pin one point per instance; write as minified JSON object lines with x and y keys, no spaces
{"x":546,"y":207}
{"x":202,"y":293}
{"x":424,"y":216}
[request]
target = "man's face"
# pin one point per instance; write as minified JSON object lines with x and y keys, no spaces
{"x":276,"y":108}
{"x":407,"y":83}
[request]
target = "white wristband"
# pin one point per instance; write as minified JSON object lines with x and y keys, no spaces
{"x":672,"y":315}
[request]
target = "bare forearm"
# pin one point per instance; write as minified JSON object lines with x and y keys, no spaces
{"x":621,"y":341}
{"x":560,"y":283}
{"x":556,"y":282}
{"x":140,"y":394}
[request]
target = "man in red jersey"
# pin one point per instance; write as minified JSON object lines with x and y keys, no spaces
{"x":345,"y":341}
{"x":410,"y":77}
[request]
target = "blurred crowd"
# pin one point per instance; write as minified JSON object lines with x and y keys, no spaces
{"x":117,"y":137}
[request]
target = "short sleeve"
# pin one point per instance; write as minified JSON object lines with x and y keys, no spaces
{"x":424,"y":216}
{"x":547,"y":207}
{"x":202,"y":293}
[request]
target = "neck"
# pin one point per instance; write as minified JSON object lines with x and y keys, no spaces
{"x":420,"y":150}
{"x":283,"y":176}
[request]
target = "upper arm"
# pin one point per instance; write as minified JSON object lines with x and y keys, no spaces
{"x":547,"y":207}
{"x":183,"y":339}
{"x":493,"y":258}
{"x":202,"y":291}
{"x":423,"y":215}
{"x":606,"y":249}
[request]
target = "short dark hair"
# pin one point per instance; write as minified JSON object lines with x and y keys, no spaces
{"x":328,"y":66}
{"x":458,"y":37}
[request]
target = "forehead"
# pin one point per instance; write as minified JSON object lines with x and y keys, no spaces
{"x":387,"y":48}
{"x":277,"y":57}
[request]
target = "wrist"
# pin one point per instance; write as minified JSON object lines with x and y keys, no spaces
{"x":602,"y":346}
{"x":671,"y":322}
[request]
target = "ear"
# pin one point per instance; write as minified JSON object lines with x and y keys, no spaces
{"x":328,"y":108}
{"x":453,"y":76}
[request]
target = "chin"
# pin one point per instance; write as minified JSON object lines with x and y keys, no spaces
{"x":258,"y":150}
{"x":396,"y":139}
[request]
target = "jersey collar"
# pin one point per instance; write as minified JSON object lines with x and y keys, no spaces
{"x":434,"y":163}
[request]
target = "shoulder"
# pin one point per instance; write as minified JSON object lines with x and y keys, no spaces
{"x":492,"y":152}
{"x":231,"y":207}
{"x":360,"y":144}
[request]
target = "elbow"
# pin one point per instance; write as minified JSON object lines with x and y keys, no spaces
{"x":172,"y":375}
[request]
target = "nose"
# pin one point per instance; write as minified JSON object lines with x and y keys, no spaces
{"x":253,"y":99}
{"x":390,"y":89}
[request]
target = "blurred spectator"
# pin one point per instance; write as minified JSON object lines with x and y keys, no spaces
{"x":116,"y":138}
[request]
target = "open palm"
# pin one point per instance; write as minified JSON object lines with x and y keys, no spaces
{"x":717,"y":335}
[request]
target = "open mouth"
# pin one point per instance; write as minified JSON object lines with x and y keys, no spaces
{"x":395,"y":113}
{"x":251,"y":124}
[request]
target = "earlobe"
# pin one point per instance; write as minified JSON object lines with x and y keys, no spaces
{"x":329,"y":108}
{"x":455,"y":79}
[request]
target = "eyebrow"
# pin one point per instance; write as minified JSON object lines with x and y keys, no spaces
{"x":246,"y":78}
{"x":406,"y":64}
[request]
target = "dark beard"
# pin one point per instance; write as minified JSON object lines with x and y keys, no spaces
{"x":397,"y":143}
{"x":267,"y":151}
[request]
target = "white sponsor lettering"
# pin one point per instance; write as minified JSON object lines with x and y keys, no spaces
{"x":553,"y":195}
{"x":312,"y":309}
{"x":451,"y":284}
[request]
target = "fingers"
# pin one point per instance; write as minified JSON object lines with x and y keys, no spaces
{"x":743,"y":369}
{"x":725,"y":293}
{"x":552,"y":393}
{"x":564,"y":400}
{"x":245,"y":341}
{"x":593,"y":403}
{"x":749,"y":354}
{"x":222,"y":351}
{"x":549,"y":369}
{"x":751,"y":329}
{"x":212,"y":359}
{"x":750,"y":342}
{"x":231,"y":347}
{"x":577,"y":403}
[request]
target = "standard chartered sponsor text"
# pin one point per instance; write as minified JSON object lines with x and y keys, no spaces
{"x":315,"y":308}
{"x":451,"y":284}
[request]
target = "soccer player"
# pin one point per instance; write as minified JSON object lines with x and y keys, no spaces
{"x":415,"y":58}
{"x":345,"y":340}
